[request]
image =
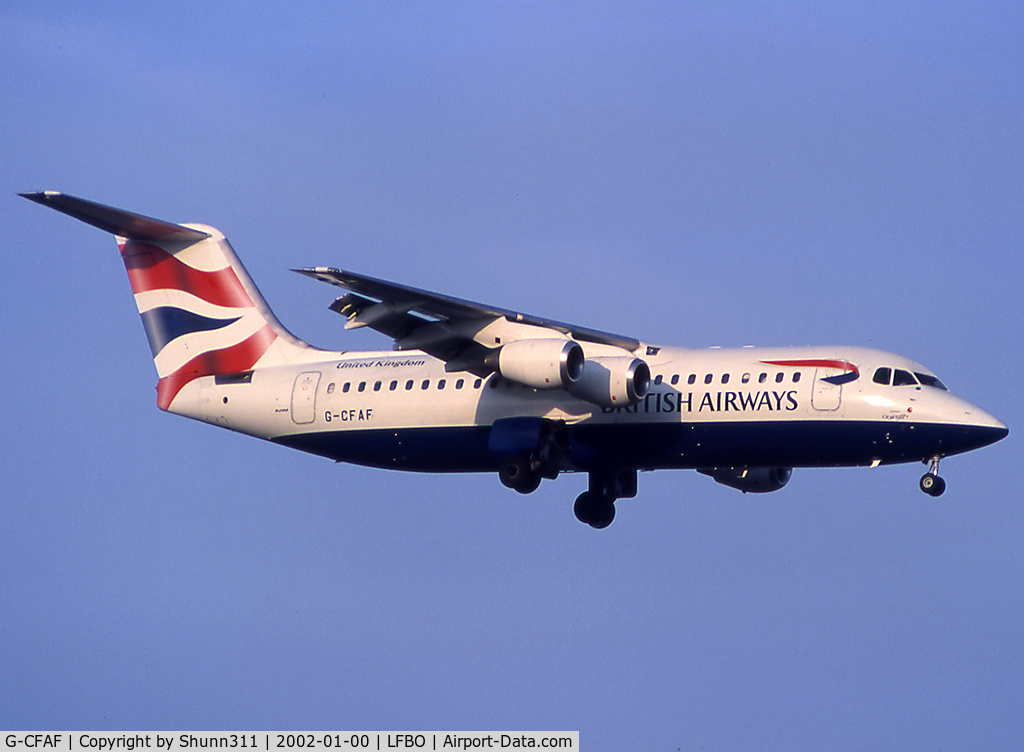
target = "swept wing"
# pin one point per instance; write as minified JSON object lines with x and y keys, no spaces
{"x":460,"y":332}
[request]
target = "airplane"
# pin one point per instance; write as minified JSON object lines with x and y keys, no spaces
{"x":470,"y":387}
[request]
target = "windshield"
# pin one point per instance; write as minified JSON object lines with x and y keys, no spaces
{"x":930,"y":381}
{"x":898,"y":377}
{"x":903,"y":378}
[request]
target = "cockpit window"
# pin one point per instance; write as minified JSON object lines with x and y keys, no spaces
{"x":927,"y":380}
{"x":903,"y":378}
{"x":898,"y":377}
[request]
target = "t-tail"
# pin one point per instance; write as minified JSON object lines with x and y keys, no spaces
{"x":201,"y":311}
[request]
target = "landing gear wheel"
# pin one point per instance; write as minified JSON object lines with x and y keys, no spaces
{"x":932,"y":484}
{"x":604,"y":514}
{"x":529,"y":483}
{"x":595,"y":510}
{"x":582,"y":508}
{"x":515,"y":473}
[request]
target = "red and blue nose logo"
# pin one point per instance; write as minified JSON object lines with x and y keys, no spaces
{"x":847,"y":371}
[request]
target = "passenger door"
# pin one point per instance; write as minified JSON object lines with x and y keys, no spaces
{"x":304,"y":397}
{"x":826,"y":395}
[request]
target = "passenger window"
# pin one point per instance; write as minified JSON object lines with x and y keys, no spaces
{"x":675,"y":379}
{"x":708,"y":378}
{"x":425,"y":384}
{"x":762,"y":378}
{"x":725,"y":378}
{"x":903,"y":378}
{"x":362,"y":386}
{"x":692,"y":379}
{"x":330,"y":388}
{"x":477,"y":383}
{"x":344,"y":389}
{"x":441,"y":383}
{"x":796,"y":377}
{"x":657,"y":380}
{"x":745,"y":378}
{"x":376,"y":387}
{"x":394,"y":386}
{"x":408,"y":385}
{"x":460,"y":383}
{"x":883,"y":376}
{"x":779,"y":377}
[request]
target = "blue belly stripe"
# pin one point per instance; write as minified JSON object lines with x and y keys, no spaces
{"x":797,"y":443}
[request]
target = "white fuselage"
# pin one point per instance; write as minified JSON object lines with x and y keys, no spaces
{"x":734,"y":407}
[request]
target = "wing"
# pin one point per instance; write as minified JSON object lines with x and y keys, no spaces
{"x":460,"y":332}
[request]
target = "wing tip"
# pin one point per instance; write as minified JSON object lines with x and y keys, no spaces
{"x":322,"y":273}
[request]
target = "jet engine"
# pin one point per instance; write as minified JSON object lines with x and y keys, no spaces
{"x":751,"y":479}
{"x":539,"y":363}
{"x":615,"y":381}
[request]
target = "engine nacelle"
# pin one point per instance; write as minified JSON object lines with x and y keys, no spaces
{"x":614,"y":381}
{"x":751,"y":479}
{"x":539,"y":363}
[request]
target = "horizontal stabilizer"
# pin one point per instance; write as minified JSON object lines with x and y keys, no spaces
{"x":119,"y":222}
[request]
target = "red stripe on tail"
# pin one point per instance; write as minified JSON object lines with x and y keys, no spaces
{"x":240,"y":357}
{"x":152,"y":268}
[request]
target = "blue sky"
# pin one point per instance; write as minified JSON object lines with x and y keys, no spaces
{"x":709,"y":174}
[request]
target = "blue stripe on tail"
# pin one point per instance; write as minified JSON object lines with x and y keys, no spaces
{"x":166,"y":324}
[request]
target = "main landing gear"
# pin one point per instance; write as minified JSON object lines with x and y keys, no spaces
{"x":524,"y":471}
{"x":522,"y":474}
{"x":931,"y":483}
{"x":596,"y":505}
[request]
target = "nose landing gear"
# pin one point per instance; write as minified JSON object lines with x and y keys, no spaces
{"x":931,"y":483}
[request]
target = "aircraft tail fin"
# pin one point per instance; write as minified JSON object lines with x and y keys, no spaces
{"x":202,"y":313}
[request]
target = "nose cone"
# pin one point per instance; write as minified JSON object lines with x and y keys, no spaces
{"x":991,"y":430}
{"x":954,"y":424}
{"x":981,"y":429}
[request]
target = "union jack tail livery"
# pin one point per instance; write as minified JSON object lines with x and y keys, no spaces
{"x":202,"y":313}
